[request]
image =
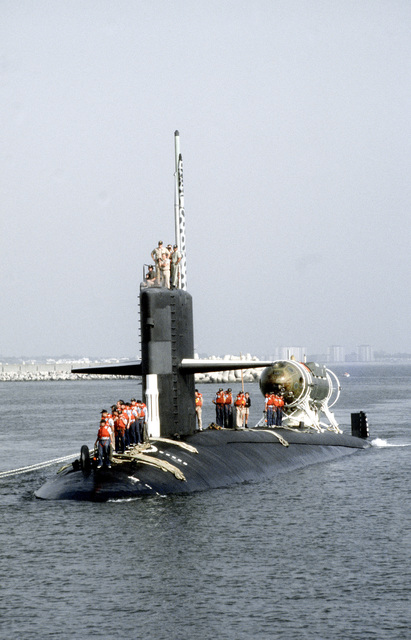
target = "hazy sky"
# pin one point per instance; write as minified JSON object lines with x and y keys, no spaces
{"x":294,"y":117}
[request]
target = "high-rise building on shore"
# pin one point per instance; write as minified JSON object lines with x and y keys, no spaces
{"x":285,"y":353}
{"x":336,"y":353}
{"x":365,"y":353}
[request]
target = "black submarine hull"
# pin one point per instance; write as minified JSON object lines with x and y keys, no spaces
{"x":222,"y":458}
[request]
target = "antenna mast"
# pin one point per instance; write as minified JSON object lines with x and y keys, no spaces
{"x":179,"y":212}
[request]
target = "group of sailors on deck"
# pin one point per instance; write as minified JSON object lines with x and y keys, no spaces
{"x":126,"y":425}
{"x":225,"y":405}
{"x":274,"y":409}
{"x":121,"y":429}
{"x":233,"y":413}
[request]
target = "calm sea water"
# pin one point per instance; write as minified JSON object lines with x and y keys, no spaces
{"x":322,"y":553}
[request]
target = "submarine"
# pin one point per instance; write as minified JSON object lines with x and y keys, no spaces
{"x":176,"y":458}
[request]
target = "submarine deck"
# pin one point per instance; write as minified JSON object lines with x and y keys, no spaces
{"x":205,"y":460}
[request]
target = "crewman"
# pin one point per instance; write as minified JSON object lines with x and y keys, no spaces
{"x":120,"y":423}
{"x":270,"y":409}
{"x":199,"y":408}
{"x":142,"y":421}
{"x":103,"y":442}
{"x":239,"y":410}
{"x":175,"y":269}
{"x":134,"y":414}
{"x":126,"y":418}
{"x":105,"y":415}
{"x":219,"y":402}
{"x":156,"y":257}
{"x":150,"y":276}
{"x":279,"y":413}
{"x":164,"y":264}
{"x":228,"y":409}
{"x":247,"y":409}
{"x":266,"y":407}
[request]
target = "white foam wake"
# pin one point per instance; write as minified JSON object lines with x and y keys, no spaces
{"x":379,"y":442}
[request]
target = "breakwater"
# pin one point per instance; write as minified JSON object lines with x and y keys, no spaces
{"x":42,"y":372}
{"x":36,"y":372}
{"x":230,"y":376}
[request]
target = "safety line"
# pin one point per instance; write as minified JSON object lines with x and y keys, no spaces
{"x":34,"y":467}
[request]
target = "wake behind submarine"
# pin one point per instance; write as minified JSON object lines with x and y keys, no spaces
{"x":177,"y":459}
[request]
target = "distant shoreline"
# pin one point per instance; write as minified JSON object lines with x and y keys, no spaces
{"x":38,"y":372}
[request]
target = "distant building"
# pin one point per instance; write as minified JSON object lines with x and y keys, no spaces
{"x":285,"y":353}
{"x":365,"y":353}
{"x":335,"y":353}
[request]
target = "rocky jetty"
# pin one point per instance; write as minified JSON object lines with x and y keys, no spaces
{"x":230,"y":376}
{"x":37,"y":372}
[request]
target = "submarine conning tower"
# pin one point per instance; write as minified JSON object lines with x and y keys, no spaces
{"x":166,"y":317}
{"x":167,"y":363}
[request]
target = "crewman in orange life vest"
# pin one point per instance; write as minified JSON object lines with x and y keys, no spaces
{"x":239,"y":408}
{"x":120,"y":425}
{"x":199,"y":409}
{"x":279,"y":412}
{"x":219,"y":402}
{"x":228,"y":409}
{"x":271,"y":408}
{"x":103,"y":443}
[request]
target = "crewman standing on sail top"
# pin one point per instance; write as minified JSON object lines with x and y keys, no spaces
{"x":164,"y":264}
{"x":174,"y":273}
{"x":156,"y":256}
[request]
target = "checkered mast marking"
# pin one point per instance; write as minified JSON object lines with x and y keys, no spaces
{"x":179,"y":212}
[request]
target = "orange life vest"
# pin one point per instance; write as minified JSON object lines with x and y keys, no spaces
{"x":124,"y":418}
{"x":103,"y":433}
{"x":240,"y":401}
{"x":120,"y":424}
